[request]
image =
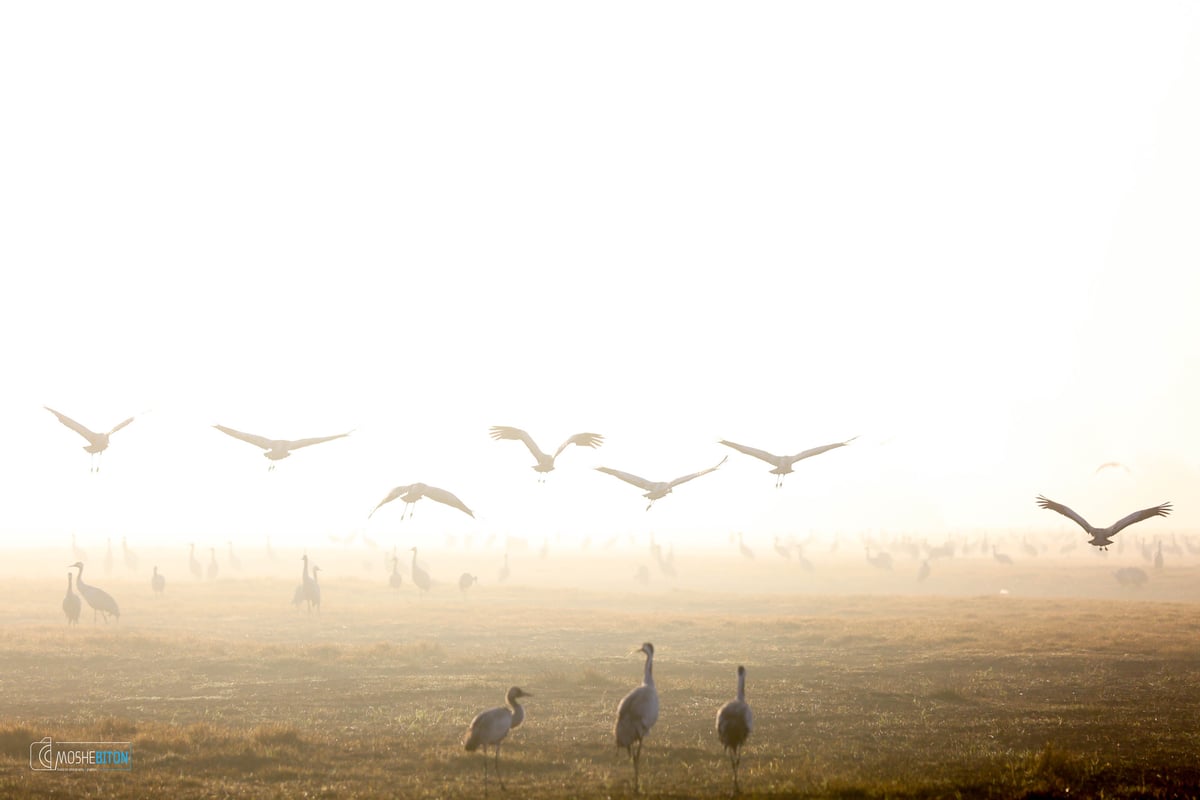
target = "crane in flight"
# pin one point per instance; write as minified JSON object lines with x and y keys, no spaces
{"x":1102,"y":537}
{"x":783,"y":464}
{"x":545,"y":463}
{"x":97,"y":442}
{"x":413,"y":492}
{"x":277,"y":449}
{"x":657,"y":490}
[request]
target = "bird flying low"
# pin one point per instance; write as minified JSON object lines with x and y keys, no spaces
{"x":545,"y":462}
{"x":783,"y":464}
{"x":657,"y":490}
{"x":277,"y":449}
{"x":97,"y":442}
{"x":1102,"y":537}
{"x":414,"y":492}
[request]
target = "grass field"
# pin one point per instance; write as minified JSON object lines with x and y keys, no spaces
{"x":950,"y":689}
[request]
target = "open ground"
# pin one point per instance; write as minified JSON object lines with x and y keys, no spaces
{"x":1047,"y":679}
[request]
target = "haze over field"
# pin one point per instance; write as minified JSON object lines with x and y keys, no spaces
{"x":966,"y":235}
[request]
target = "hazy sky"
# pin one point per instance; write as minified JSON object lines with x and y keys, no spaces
{"x":965,"y":232}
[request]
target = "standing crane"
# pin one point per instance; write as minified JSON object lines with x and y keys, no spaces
{"x":637,"y":713}
{"x":395,"y":580}
{"x":213,"y":569}
{"x":157,"y":582}
{"x":783,"y":464}
{"x":734,"y":723}
{"x":100,"y":600}
{"x":466,"y":581}
{"x":97,"y":442}
{"x":234,"y":563}
{"x":194,"y":563}
{"x":71,"y":604}
{"x":304,"y":592}
{"x":545,"y":462}
{"x":657,"y":490}
{"x":277,"y":449}
{"x":314,"y":589}
{"x":490,"y":727}
{"x":420,"y":577}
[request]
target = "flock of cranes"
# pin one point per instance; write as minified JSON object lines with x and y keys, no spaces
{"x":636,"y":715}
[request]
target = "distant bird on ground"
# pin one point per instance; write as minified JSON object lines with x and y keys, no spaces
{"x":157,"y":582}
{"x":637,"y":713}
{"x":545,"y":463}
{"x":504,"y":571}
{"x":194,"y":563}
{"x":277,"y":449}
{"x":782,"y":549}
{"x":413,"y":492}
{"x":783,"y":464}
{"x":923,"y":572}
{"x":466,"y":581}
{"x":743,"y":548}
{"x":1102,"y":537}
{"x":71,"y":604}
{"x":734,"y":723}
{"x":490,"y":727}
{"x":213,"y":569}
{"x":234,"y":563}
{"x":97,"y":442}
{"x":1158,"y":557}
{"x":1111,"y":465}
{"x":130,"y":557}
{"x":108,"y":559}
{"x":394,"y":580}
{"x":656,"y":490}
{"x":1131,"y":576}
{"x":307,"y":592}
{"x":881,"y":560}
{"x":420,"y":577}
{"x":314,"y":589}
{"x":1003,"y":558}
{"x":100,"y":600}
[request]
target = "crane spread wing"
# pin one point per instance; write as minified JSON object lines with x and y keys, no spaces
{"x":120,"y":425}
{"x":392,"y":495}
{"x":442,"y":496}
{"x":254,"y":439}
{"x":581,"y":439}
{"x":298,"y":443}
{"x":499,"y":432}
{"x":1161,"y":510}
{"x":770,"y":458}
{"x":72,"y":424}
{"x":1066,"y":512}
{"x":816,"y":451}
{"x":687,"y":478}
{"x":641,"y":483}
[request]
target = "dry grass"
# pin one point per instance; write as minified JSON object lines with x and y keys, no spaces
{"x":233,"y":694}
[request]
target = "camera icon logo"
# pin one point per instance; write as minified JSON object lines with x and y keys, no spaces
{"x":41,"y":754}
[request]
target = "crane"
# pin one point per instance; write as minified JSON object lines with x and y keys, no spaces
{"x":783,"y":464}
{"x":100,"y":600}
{"x":157,"y":582}
{"x":1102,"y":537}
{"x":277,"y":449}
{"x":637,"y":713}
{"x":656,"y":490}
{"x":97,"y":442}
{"x":71,"y":604}
{"x":545,"y":462}
{"x":413,"y":492}
{"x":734,"y":723}
{"x":490,"y":727}
{"x":420,"y":577}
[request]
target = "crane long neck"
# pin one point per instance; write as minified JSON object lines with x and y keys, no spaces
{"x":741,"y":693}
{"x":518,"y":711}
{"x":79,"y":578}
{"x":648,"y":678}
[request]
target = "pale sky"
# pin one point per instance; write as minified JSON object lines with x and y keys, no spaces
{"x":966,"y":233}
